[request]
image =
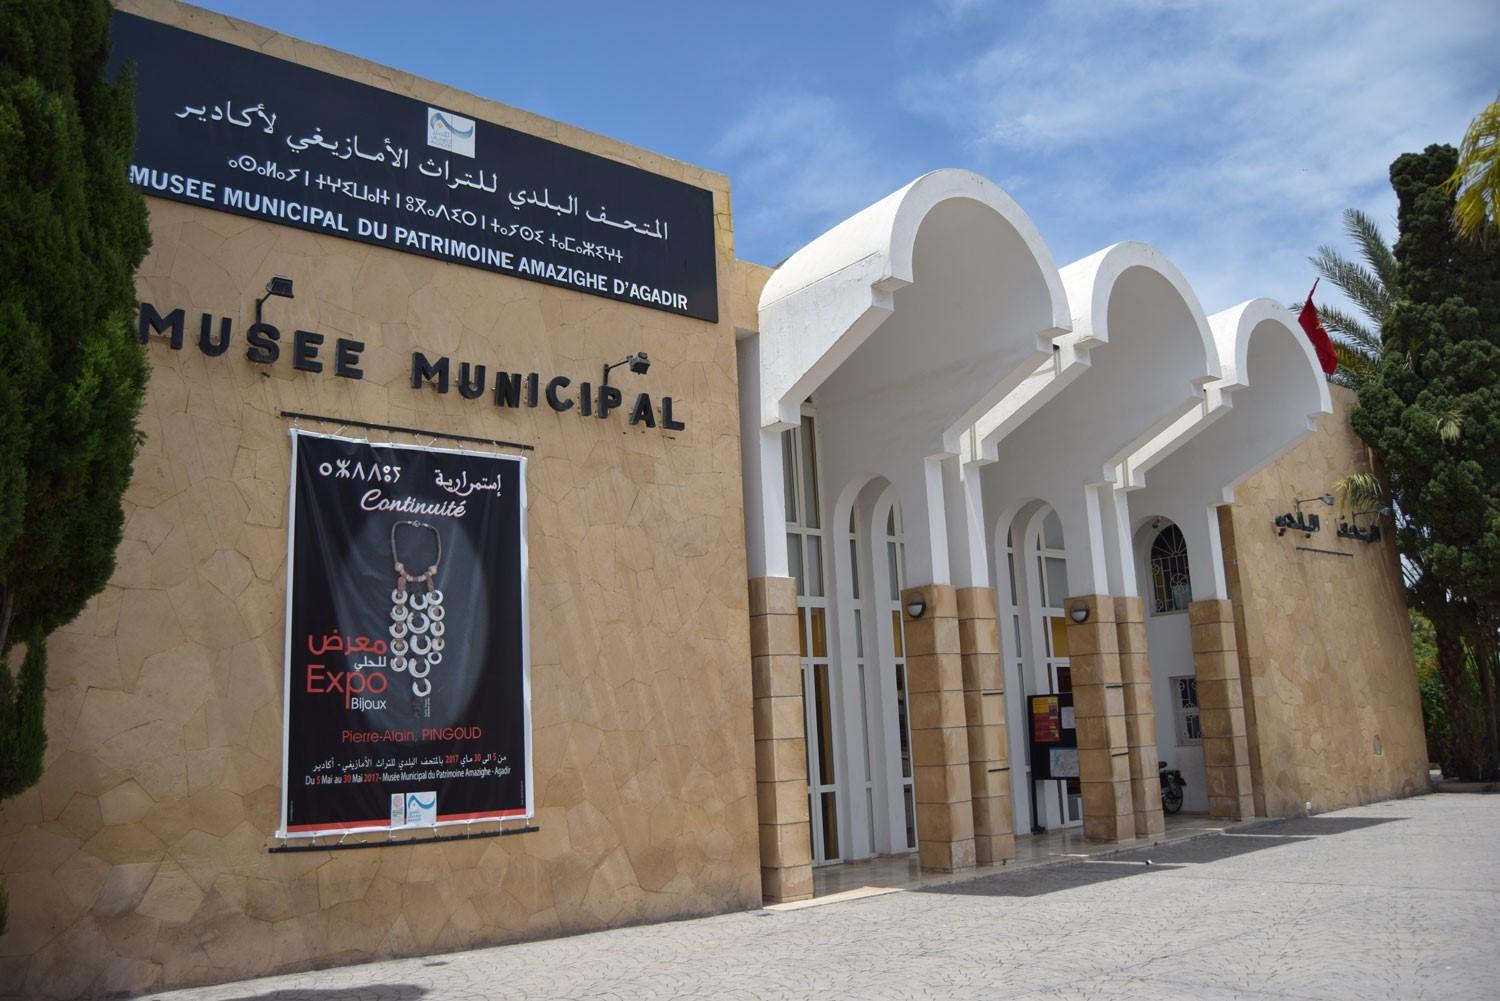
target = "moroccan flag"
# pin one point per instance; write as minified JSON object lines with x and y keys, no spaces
{"x":1321,"y":342}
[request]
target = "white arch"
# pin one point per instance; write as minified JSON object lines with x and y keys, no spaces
{"x":905,"y":323}
{"x":1299,"y":400}
{"x":1136,"y":362}
{"x":826,"y":299}
{"x":1275,"y":392}
{"x":1278,"y":392}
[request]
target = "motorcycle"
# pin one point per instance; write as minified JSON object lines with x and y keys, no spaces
{"x":1171,"y":787}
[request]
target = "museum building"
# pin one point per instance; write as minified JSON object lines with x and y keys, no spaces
{"x":913,"y":546}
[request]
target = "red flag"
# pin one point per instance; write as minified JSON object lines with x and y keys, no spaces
{"x":1321,"y":342}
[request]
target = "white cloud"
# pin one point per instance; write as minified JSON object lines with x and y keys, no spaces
{"x":1232,"y":136}
{"x":799,"y":165}
{"x":957,"y":9}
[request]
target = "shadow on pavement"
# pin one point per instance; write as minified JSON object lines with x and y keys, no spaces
{"x":1043,"y":880}
{"x":1210,"y":849}
{"x":1171,"y":855}
{"x":1314,"y":826}
{"x":365,"y":992}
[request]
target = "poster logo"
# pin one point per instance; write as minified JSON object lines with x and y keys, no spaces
{"x":451,"y":132}
{"x":414,"y":809}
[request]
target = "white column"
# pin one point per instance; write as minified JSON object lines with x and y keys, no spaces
{"x":964,"y":504}
{"x":923,"y":514}
{"x":1083,"y":535}
{"x":1114,"y":512}
{"x":761,"y":470}
{"x":1200,"y":529}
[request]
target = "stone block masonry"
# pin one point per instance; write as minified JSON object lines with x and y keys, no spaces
{"x":1099,"y":707}
{"x":984,"y":711}
{"x":780,"y":741}
{"x":939,"y":730}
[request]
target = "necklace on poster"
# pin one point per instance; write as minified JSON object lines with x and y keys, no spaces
{"x":417,"y":615}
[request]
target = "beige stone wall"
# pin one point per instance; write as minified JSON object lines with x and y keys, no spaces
{"x":1324,"y":641}
{"x":1221,"y":701}
{"x":1140,"y":718}
{"x":939,"y":729}
{"x":984,"y":715}
{"x":140,"y":860}
{"x":1103,"y":730}
{"x":780,"y":740}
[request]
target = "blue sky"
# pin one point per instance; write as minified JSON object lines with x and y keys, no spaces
{"x":1230,"y":135}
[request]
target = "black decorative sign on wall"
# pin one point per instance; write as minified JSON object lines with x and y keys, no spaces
{"x":407,"y":681}
{"x":243,"y":132}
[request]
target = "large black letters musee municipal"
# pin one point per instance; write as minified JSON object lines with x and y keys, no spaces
{"x":511,"y":389}
{"x":406,"y":647}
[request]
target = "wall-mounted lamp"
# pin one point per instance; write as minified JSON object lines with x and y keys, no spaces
{"x":1325,"y":498}
{"x":638,"y":363}
{"x":1079,"y":613}
{"x":279,"y":285}
{"x":915,"y":607}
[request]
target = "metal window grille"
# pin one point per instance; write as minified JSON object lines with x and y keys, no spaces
{"x":1171,"y":585}
{"x":1185,"y":704}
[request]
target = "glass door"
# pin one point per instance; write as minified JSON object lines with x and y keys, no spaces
{"x":895,"y":553}
{"x":1052,"y":580}
{"x":805,"y":558}
{"x":861,"y":674}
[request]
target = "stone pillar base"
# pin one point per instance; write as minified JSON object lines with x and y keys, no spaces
{"x":984,"y":709}
{"x":1099,"y":709}
{"x":1140,"y":716}
{"x":1221,"y":710}
{"x":780,"y":741}
{"x":939,"y":733}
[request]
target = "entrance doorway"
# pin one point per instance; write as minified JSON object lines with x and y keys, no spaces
{"x":805,"y":559}
{"x":1162,"y":551}
{"x":850,"y":568}
{"x":1036,"y":566}
{"x":1062,"y":798}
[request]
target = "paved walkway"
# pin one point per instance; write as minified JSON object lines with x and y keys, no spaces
{"x":1394,"y":900}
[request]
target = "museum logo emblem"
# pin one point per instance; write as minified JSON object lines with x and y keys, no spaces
{"x":451,"y":132}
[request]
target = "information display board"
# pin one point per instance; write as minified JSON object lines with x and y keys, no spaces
{"x":1054,"y":737}
{"x":243,"y":132}
{"x":407,"y":661}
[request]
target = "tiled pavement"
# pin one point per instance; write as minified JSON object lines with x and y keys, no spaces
{"x":1393,"y":900}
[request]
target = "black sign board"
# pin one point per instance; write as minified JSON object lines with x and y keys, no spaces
{"x":1053,"y":736}
{"x":243,"y":132}
{"x":407,"y":685}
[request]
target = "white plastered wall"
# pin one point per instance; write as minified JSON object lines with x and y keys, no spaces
{"x":1141,"y":354}
{"x":904,"y":324}
{"x":1273,"y":392}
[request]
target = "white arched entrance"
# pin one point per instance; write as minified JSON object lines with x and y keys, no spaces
{"x":1165,"y":572}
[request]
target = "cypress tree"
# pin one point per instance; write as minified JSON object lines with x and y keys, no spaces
{"x":1432,"y":414}
{"x":71,"y":373}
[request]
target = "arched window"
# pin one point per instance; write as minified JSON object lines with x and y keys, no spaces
{"x":1171,"y":586}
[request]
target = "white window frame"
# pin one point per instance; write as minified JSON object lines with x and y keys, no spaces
{"x":793,"y":443}
{"x":1187,"y":718}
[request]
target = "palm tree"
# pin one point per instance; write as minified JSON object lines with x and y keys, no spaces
{"x":1369,"y":286}
{"x":1476,"y":180}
